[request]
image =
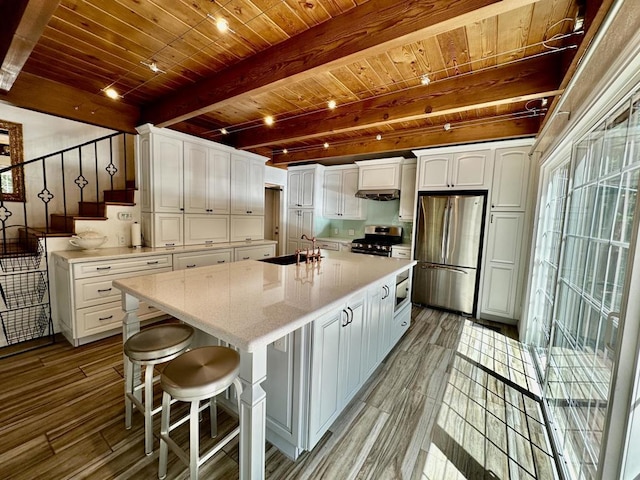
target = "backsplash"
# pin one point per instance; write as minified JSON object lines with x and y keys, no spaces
{"x":377,"y":213}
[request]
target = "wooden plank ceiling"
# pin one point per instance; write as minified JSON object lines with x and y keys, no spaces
{"x":493,"y":67}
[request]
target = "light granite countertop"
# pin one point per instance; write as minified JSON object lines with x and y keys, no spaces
{"x":250,"y":303}
{"x":74,"y":256}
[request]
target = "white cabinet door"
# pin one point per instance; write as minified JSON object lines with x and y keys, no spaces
{"x":332,"y":202}
{"x":219,"y":181}
{"x":471,"y":169}
{"x":434,"y":172}
{"x":351,"y":205}
{"x":351,"y":350}
{"x":205,"y":229}
{"x":246,"y":227}
{"x":372,"y":330}
{"x":247,"y":186}
{"x":379,"y":176}
{"x":340,"y":187}
{"x":510,"y":179}
{"x":300,"y":223}
{"x":324,"y":398}
{"x":196,"y":166}
{"x":167,"y":166}
{"x":408,"y":192}
{"x":167,"y":229}
{"x":301,"y":185}
{"x":503,"y":258}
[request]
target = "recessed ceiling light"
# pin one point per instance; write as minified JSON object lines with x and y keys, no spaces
{"x":224,"y":131}
{"x":331,"y":104}
{"x":447,"y":126}
{"x":111,"y":93}
{"x":222,"y":24}
{"x":268,"y":120}
{"x":285,"y":151}
{"x":326,"y":145}
{"x":425,"y":80}
{"x":378,"y":137}
{"x":544,"y":102}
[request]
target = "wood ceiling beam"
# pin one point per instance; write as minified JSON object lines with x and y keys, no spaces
{"x":415,"y":139}
{"x":369,"y":29}
{"x":23,"y":22}
{"x":42,"y":95}
{"x":516,"y":82}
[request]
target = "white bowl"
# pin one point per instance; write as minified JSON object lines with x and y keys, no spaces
{"x":87,"y":240}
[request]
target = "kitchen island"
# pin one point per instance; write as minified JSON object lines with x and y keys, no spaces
{"x":318,"y":329}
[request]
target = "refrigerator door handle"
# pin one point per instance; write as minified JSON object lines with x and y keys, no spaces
{"x":445,"y":231}
{"x":442,"y":267}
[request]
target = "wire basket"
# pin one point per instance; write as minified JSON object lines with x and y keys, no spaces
{"x":23,"y":289}
{"x":25,"y":324}
{"x":21,"y":253}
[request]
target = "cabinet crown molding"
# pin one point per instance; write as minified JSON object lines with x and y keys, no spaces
{"x":521,"y":142}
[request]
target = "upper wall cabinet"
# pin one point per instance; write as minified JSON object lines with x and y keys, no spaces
{"x":408,"y":190}
{"x":340,"y":187}
{"x":379,"y":174}
{"x":305,"y":186}
{"x":247,"y":185}
{"x":510,"y":179}
{"x":463,"y":170}
{"x":206,"y":179}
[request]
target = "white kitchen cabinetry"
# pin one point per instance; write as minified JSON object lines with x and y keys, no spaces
{"x":340,"y":187}
{"x":257,"y":252}
{"x":162,"y":229}
{"x":335,"y":365}
{"x":247,"y":185}
{"x":378,"y":323}
{"x":401,"y":251}
{"x":407,"y":207}
{"x":462,"y":170}
{"x":206,"y":179}
{"x":300,"y":222}
{"x":382,"y":174}
{"x":246,"y":228}
{"x":162,"y":159}
{"x":183,"y":261}
{"x":305,"y":186}
{"x":510,"y":179}
{"x":205,"y":229}
{"x":502,"y":265}
{"x":89,"y":306}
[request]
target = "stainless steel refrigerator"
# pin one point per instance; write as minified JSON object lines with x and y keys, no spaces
{"x":448,"y":242}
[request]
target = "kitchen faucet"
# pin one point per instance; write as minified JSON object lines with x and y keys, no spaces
{"x":314,"y":255}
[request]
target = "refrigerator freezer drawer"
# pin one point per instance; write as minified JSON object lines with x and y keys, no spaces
{"x":445,"y":286}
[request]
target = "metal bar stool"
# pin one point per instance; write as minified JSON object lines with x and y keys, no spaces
{"x":199,"y":374}
{"x":148,"y":348}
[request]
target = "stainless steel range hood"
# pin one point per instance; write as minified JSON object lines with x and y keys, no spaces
{"x":380,"y":195}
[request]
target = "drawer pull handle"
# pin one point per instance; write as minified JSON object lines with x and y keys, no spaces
{"x":103,"y":268}
{"x":169,"y":244}
{"x":208,"y":242}
{"x":102,"y":290}
{"x":266,"y":254}
{"x":404,"y":324}
{"x":221,"y":261}
{"x":106,"y":318}
{"x":191,"y":266}
{"x":246,"y":258}
{"x":153,"y":263}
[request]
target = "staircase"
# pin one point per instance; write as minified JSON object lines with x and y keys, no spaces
{"x":74,"y":184}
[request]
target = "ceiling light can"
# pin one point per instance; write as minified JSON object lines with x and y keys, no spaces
{"x":268,"y":120}
{"x":331,"y":104}
{"x":447,"y":126}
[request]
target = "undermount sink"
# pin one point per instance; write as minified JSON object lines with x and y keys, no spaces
{"x":285,"y":259}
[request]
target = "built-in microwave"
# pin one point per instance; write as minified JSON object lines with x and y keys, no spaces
{"x":403,"y":286}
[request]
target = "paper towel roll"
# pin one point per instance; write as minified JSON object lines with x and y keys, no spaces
{"x":136,"y":235}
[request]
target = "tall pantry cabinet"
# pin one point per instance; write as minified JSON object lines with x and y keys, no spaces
{"x":304,"y":204}
{"x":186,"y":190}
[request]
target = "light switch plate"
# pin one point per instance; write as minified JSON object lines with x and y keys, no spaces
{"x":352,"y":231}
{"x":125,"y":216}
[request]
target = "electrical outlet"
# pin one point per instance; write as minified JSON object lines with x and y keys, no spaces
{"x":121,"y":239}
{"x":281,"y":344}
{"x":352,"y":232}
{"x":125,"y":216}
{"x":335,"y":231}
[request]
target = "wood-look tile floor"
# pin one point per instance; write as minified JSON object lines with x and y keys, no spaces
{"x":426,"y":413}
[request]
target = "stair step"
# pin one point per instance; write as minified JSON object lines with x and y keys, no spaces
{"x":91,"y":209}
{"x":126,"y":196}
{"x":66,"y":223}
{"x":130,"y":184}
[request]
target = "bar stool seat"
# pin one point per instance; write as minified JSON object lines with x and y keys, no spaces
{"x":148,"y":348}
{"x":199,"y":374}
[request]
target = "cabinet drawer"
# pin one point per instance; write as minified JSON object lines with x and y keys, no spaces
{"x":201,"y":259}
{"x":138,"y":265}
{"x":254,"y":253}
{"x":335,"y":246}
{"x":99,"y":290}
{"x":102,"y":318}
{"x":400,"y":252}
